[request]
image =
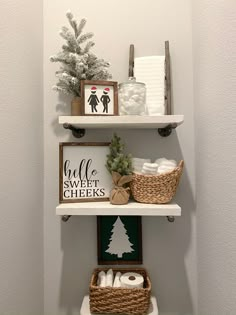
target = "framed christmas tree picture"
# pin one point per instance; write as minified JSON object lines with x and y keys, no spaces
{"x":119,"y":240}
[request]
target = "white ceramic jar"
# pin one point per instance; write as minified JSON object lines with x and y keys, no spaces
{"x":132,"y":98}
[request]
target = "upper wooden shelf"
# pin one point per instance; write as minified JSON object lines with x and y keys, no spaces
{"x":128,"y":122}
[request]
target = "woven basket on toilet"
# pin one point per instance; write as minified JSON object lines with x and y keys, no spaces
{"x":109,"y":300}
{"x":159,"y":188}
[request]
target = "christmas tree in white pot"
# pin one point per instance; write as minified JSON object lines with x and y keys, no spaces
{"x":77,"y":61}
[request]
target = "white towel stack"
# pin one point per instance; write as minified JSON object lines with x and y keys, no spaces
{"x":149,"y":168}
{"x":138,"y":164}
{"x":165,"y":165}
{"x":151,"y":71}
{"x":160,"y":166}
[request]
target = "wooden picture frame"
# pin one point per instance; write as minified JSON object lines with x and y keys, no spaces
{"x":99,"y":98}
{"x":83,"y":175}
{"x":119,"y":240}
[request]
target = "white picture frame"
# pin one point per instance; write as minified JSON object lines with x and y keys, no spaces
{"x":83,"y":175}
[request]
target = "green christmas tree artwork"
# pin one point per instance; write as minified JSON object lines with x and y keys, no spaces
{"x":119,"y":240}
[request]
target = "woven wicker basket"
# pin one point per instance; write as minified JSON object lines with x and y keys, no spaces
{"x":110,"y":300}
{"x":159,"y":188}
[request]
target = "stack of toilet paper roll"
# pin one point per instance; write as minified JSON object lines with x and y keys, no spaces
{"x":151,"y":71}
{"x":125,"y":280}
{"x":160,"y":166}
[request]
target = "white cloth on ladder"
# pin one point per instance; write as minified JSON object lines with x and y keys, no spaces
{"x":151,"y":71}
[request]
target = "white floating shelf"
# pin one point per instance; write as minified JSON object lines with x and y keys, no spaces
{"x":128,"y":122}
{"x":105,"y":208}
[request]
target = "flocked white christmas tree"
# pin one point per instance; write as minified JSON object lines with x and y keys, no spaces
{"x":77,"y":62}
{"x":119,"y":240}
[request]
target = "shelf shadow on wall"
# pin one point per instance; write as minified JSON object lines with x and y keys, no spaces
{"x":78,"y":241}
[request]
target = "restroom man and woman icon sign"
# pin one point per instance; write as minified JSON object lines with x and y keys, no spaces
{"x":94,"y":101}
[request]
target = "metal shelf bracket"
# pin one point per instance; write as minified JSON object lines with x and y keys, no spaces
{"x":65,"y":218}
{"x":166,"y":131}
{"x":76,"y":132}
{"x":171,"y":218}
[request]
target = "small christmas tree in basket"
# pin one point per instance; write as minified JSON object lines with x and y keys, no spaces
{"x":77,"y":62}
{"x":120,"y":166}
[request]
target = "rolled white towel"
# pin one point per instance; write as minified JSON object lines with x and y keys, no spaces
{"x":145,"y":172}
{"x":150,"y":165}
{"x":116,"y":283}
{"x":169,"y":163}
{"x":101,"y":279}
{"x":137,"y":168}
{"x":165,"y":169}
{"x":164,"y":161}
{"x":160,"y":161}
{"x":149,"y":168}
{"x":138,"y":164}
{"x":109,"y":278}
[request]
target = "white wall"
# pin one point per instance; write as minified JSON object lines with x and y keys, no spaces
{"x":169,"y":249}
{"x":21,"y":158}
{"x":215,"y":80}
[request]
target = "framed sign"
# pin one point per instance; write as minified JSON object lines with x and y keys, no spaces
{"x":83,"y":175}
{"x":99,"y":98}
{"x":119,"y":240}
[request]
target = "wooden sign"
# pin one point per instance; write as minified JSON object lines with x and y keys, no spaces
{"x":99,"y":98}
{"x":119,"y":240}
{"x":82,"y":172}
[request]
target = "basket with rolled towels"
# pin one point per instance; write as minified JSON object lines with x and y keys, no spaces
{"x":155,"y":182}
{"x":119,"y":291}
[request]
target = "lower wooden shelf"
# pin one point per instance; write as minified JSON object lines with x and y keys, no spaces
{"x":105,"y":208}
{"x":153,"y":309}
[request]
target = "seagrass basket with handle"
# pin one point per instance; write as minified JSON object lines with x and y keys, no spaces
{"x":109,"y":300}
{"x":159,"y":188}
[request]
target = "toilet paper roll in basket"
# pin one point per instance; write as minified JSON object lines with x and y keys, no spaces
{"x":121,"y":300}
{"x":131,"y":280}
